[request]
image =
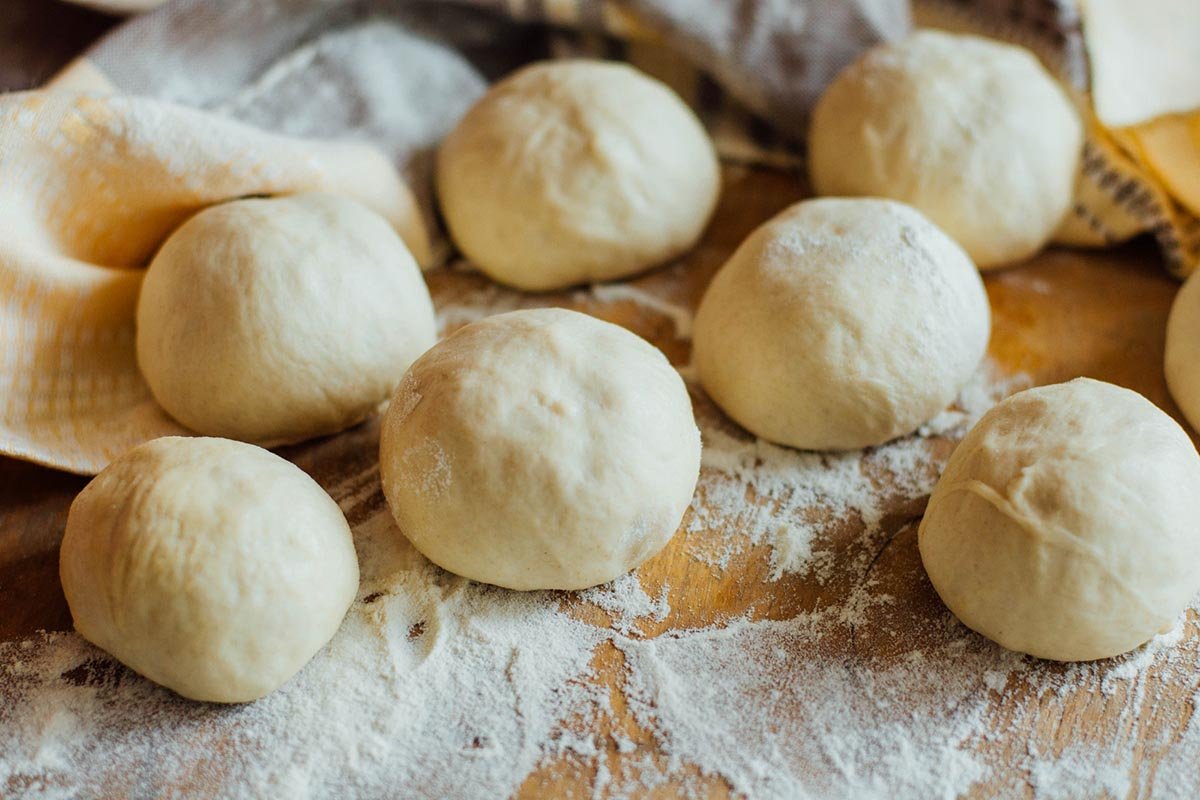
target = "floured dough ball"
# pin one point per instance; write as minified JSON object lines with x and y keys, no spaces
{"x":972,"y":132}
{"x":212,"y":567}
{"x":575,"y":171}
{"x":278,"y":320}
{"x":1183,"y":350}
{"x":1067,"y":523}
{"x":540,"y":449}
{"x":841,"y":323}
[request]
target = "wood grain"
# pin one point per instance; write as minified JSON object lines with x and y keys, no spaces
{"x":1067,"y":313}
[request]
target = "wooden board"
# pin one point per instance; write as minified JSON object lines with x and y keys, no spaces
{"x":1065,"y":314}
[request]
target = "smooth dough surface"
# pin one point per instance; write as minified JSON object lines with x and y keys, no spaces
{"x":972,"y":132}
{"x":1183,"y":350}
{"x":1067,"y":523}
{"x":841,"y":323}
{"x":540,"y":449}
{"x":575,"y":171}
{"x":212,"y":567}
{"x":278,"y":320}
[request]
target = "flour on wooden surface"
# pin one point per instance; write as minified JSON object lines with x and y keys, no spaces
{"x":439,"y":687}
{"x":796,"y":496}
{"x":628,"y":603}
{"x":681,"y":318}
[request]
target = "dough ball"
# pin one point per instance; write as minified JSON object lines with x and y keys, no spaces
{"x":1183,"y":350}
{"x":540,"y":449}
{"x":972,"y":132}
{"x":1066,"y":523}
{"x":212,"y":567}
{"x":278,"y":320}
{"x":841,"y":323}
{"x":575,"y":171}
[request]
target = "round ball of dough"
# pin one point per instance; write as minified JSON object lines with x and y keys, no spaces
{"x":274,"y":321}
{"x":841,"y":323}
{"x":540,"y":449}
{"x":1183,"y":350}
{"x":972,"y":132}
{"x":212,"y":567}
{"x":575,"y":171}
{"x":1067,"y":523}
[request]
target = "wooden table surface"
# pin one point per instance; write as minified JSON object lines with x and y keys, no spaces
{"x":1067,"y":313}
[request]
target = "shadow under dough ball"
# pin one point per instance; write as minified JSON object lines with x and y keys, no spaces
{"x":570,"y":172}
{"x":1065,"y":524}
{"x":273,"y":321}
{"x":540,"y":449}
{"x":212,"y":567}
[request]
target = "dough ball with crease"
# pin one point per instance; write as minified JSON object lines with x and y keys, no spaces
{"x":1183,"y":350}
{"x":575,"y":171}
{"x":540,"y":449}
{"x":840,"y":324}
{"x":212,"y":567}
{"x":1067,"y":523}
{"x":972,"y":132}
{"x":278,"y":320}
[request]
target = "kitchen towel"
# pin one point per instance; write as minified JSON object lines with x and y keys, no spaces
{"x":396,"y":75}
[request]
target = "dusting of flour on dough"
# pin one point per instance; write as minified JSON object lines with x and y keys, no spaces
{"x":406,"y":399}
{"x":428,"y":466}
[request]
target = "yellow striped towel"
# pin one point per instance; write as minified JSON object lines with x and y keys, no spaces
{"x":91,"y":185}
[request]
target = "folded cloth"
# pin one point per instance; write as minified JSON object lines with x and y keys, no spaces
{"x":90,"y":185}
{"x":1145,"y":58}
{"x":1145,"y":70}
{"x":753,"y":69}
{"x":399,"y":73}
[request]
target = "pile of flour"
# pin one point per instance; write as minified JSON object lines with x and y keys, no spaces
{"x":439,"y":687}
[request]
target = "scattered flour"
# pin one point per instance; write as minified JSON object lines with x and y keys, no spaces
{"x":788,"y":498}
{"x":680,"y":317}
{"x":439,"y":687}
{"x":435,"y":683}
{"x":479,"y":301}
{"x":628,"y":603}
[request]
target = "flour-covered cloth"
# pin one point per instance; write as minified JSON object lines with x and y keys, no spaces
{"x":399,"y":74}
